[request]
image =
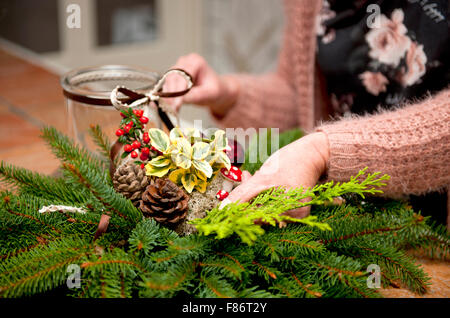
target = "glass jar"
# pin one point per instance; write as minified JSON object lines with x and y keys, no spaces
{"x":87,"y":92}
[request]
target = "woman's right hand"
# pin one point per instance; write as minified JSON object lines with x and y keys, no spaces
{"x":219,"y":93}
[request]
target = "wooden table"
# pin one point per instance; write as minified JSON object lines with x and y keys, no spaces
{"x":31,"y":97}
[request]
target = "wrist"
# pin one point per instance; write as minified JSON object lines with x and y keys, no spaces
{"x":317,"y":145}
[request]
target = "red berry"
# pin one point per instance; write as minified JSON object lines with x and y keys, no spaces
{"x":157,"y":151}
{"x":143,"y":120}
{"x":130,"y":124}
{"x":136,"y":144}
{"x":127,"y":148}
{"x":123,"y":115}
{"x":146,"y":138}
{"x":127,"y":129}
{"x":134,"y":154}
{"x":143,"y":156}
{"x":142,"y":165}
{"x":119,"y":132}
{"x":138,"y":112}
{"x":145,"y":150}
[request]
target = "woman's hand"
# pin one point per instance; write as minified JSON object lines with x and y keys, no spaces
{"x":300,"y":163}
{"x":219,"y":93}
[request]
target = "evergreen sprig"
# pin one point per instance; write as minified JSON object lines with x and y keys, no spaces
{"x":101,"y":140}
{"x":268,"y":207}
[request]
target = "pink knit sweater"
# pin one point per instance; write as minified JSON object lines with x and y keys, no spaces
{"x":411,"y":143}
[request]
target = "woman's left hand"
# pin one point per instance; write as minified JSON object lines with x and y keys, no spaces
{"x":300,"y":163}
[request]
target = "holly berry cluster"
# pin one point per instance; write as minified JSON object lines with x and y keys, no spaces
{"x":131,"y":134}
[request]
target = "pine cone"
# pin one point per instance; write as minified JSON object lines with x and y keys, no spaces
{"x":130,"y":180}
{"x":164,"y":201}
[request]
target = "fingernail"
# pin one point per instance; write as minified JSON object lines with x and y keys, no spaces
{"x":224,"y":203}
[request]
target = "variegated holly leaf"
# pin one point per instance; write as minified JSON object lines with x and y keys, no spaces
{"x":200,"y":150}
{"x":192,"y":135}
{"x":176,"y":175}
{"x":159,"y":139}
{"x":160,"y":161}
{"x":203,"y":166}
{"x":189,"y":180}
{"x":182,"y":146}
{"x":220,"y":141}
{"x":156,"y":171}
{"x":192,"y":132}
{"x":176,"y":133}
{"x":201,"y":175}
{"x":183,"y":161}
{"x":221,"y":157}
{"x":201,"y":185}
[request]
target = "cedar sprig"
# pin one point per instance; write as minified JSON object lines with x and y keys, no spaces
{"x":268,"y":207}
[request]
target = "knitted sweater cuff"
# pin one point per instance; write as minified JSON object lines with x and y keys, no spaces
{"x":411,"y":144}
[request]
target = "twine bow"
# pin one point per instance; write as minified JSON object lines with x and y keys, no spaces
{"x":136,"y":99}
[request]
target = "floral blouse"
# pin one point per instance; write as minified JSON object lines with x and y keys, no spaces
{"x":382,"y":53}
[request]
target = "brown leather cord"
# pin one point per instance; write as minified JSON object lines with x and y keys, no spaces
{"x":132,"y":95}
{"x":102,"y":226}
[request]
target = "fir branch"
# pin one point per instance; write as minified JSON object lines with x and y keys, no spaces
{"x":173,"y":279}
{"x":104,"y":262}
{"x":101,"y":140}
{"x":44,"y":186}
{"x":47,"y":273}
{"x":148,"y":235}
{"x":362,"y":233}
{"x":399,"y":266}
{"x":267,"y":272}
{"x":68,"y":152}
{"x":216,"y":287}
{"x":306,"y":287}
{"x":103,"y":192}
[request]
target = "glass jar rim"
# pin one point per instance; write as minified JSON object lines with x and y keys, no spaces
{"x":70,"y":81}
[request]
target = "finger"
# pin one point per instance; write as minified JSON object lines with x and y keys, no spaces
{"x":248,"y":190}
{"x":191,"y":63}
{"x":298,"y":213}
{"x":200,"y":95}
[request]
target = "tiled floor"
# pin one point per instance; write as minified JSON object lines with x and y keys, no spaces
{"x":31,"y":97}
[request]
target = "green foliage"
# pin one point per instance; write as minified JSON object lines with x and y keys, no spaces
{"x":139,"y":258}
{"x":268,"y":207}
{"x":190,"y":159}
{"x":42,"y":268}
{"x":101,"y":140}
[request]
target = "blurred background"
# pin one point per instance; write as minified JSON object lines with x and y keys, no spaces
{"x":39,"y":41}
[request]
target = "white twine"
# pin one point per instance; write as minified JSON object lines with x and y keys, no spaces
{"x":150,"y":96}
{"x":62,"y":208}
